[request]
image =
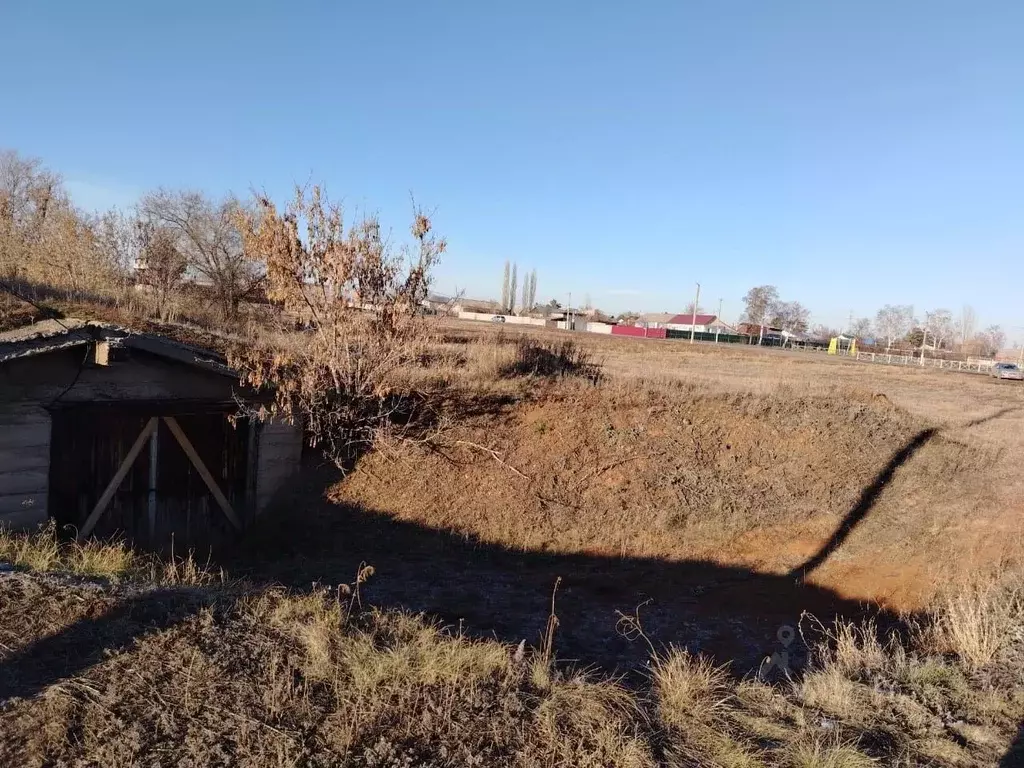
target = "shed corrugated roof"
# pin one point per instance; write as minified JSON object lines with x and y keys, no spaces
{"x":42,"y":330}
{"x":52,"y":335}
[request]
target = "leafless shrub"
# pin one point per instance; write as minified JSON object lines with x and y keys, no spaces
{"x":358,"y":301}
{"x":535,"y":357}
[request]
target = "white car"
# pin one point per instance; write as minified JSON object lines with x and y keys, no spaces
{"x":1008,"y":371}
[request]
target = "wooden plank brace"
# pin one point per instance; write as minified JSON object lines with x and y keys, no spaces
{"x":197,"y":462}
{"x":115,"y":483}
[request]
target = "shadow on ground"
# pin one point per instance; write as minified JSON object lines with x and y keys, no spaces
{"x":734,"y":614}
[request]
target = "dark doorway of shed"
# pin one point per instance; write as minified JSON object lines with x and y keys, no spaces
{"x":162,"y":501}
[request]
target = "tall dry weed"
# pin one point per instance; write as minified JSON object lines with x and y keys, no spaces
{"x":976,"y":620}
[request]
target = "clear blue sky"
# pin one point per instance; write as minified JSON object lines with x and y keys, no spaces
{"x":852,"y":153}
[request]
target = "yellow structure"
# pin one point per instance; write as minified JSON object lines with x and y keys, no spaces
{"x":833,"y":345}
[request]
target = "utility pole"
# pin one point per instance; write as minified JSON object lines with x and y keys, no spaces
{"x":569,"y":324}
{"x":693,"y":320}
{"x":924,"y":341}
{"x":718,"y":320}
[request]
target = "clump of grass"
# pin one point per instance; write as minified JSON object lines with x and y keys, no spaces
{"x":43,"y":550}
{"x":688,"y":687}
{"x":977,"y":621}
{"x":818,"y":752}
{"x":693,"y":698}
{"x":183,"y":571}
{"x":591,"y":720}
{"x":397,"y":684}
{"x":831,"y":691}
{"x":98,"y":558}
{"x":857,"y":649}
{"x":37,"y":551}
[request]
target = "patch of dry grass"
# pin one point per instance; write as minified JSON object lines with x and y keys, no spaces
{"x":824,"y":752}
{"x":43,"y":550}
{"x":274,"y":678}
{"x":831,"y":691}
{"x":978,"y":620}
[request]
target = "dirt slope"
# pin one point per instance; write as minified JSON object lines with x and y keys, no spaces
{"x":676,"y":472}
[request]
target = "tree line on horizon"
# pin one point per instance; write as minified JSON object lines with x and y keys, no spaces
{"x":173,"y":237}
{"x":185,"y":247}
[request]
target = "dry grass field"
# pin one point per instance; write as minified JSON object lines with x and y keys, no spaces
{"x":583,"y":557}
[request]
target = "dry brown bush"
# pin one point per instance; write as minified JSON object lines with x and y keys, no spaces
{"x":43,"y":238}
{"x":358,"y":300}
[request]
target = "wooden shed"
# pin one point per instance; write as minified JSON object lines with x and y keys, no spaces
{"x":117,"y":433}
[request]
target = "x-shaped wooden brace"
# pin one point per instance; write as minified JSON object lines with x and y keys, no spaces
{"x":133,"y":453}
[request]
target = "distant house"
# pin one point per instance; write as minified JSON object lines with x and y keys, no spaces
{"x":654,"y":319}
{"x":768,"y":333}
{"x":699,"y":323}
{"x":435,"y":303}
{"x":478,"y":306}
{"x":702,"y":323}
{"x":119,"y":433}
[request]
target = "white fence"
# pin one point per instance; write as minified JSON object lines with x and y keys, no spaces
{"x":971,"y":366}
{"x":510,"y":319}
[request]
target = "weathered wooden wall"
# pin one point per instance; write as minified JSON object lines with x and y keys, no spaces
{"x":279,"y":451}
{"x":89,"y":443}
{"x":24,"y":464}
{"x":66,"y":425}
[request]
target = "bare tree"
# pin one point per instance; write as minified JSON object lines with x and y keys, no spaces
{"x":29,"y":194}
{"x":206,"y":234}
{"x":341,"y":379}
{"x":27,"y":190}
{"x":693,"y":308}
{"x":861,"y":328}
{"x":966,"y":323}
{"x":506,"y":286}
{"x":161,"y":265}
{"x":990,"y":340}
{"x":790,"y":316}
{"x":532,"y":298}
{"x":939,"y":324}
{"x":821,"y":331}
{"x":118,"y":235}
{"x":758,"y":303}
{"x":894,"y":322}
